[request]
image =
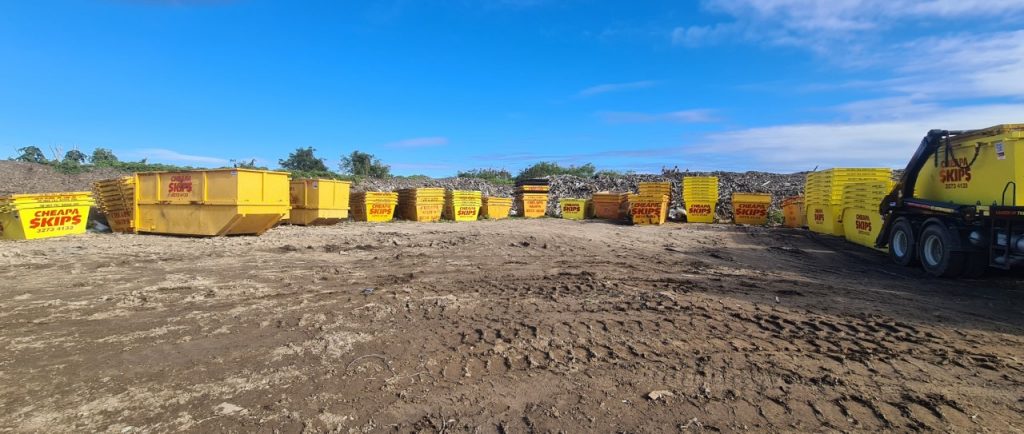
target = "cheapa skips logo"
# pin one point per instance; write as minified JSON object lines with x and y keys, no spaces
{"x":55,"y":218}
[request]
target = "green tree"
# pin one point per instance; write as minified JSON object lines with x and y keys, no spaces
{"x":31,"y":154}
{"x":303,"y":160}
{"x":246,"y":164}
{"x":497,"y":176}
{"x":74,"y":156}
{"x":362,"y":164}
{"x":103,"y":157}
{"x":549,"y":168}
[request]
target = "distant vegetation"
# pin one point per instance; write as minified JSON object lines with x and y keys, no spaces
{"x":301,"y":163}
{"x":495,"y":176}
{"x":549,"y":168}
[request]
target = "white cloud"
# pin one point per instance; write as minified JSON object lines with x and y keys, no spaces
{"x":681,"y":116}
{"x":874,"y":143}
{"x":418,"y":142}
{"x":615,"y":87}
{"x":168,"y":155}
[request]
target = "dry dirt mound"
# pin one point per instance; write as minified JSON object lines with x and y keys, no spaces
{"x":17,"y":177}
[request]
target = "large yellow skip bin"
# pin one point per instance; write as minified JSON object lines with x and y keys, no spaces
{"x":35,"y":216}
{"x":700,"y":211}
{"x":211,"y":202}
{"x":794,"y":212}
{"x":648,"y":209}
{"x":750,"y":208}
{"x":374,"y":206}
{"x":319,"y":201}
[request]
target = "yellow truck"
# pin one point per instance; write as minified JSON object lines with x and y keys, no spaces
{"x":957,"y":209}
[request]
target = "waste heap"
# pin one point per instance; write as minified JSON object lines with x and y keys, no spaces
{"x":421,"y":204}
{"x":532,"y":197}
{"x":462,"y":205}
{"x":116,"y":199}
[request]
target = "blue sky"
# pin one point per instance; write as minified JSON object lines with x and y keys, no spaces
{"x":432,"y":87}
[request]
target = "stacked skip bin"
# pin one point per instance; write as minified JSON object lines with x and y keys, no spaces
{"x":116,"y":198}
{"x":862,"y":220}
{"x":421,"y":204}
{"x":532,"y":197}
{"x":793,"y":212}
{"x":462,"y":205}
{"x":319,"y":201}
{"x":751,"y":208}
{"x":824,"y":195}
{"x":650,"y":205}
{"x":35,"y":216}
{"x":495,"y":208}
{"x":610,"y":205}
{"x":700,"y":195}
{"x":573,"y":209}
{"x":374,"y":206}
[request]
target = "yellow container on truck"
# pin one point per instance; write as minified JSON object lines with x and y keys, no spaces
{"x":751,"y":208}
{"x":573,"y":209}
{"x":495,"y":208}
{"x":421,"y":204}
{"x":794,"y":212}
{"x":211,"y":202}
{"x":36,"y":216}
{"x":319,"y":201}
{"x":976,"y":168}
{"x":648,"y":209}
{"x":116,"y":199}
{"x":373,"y":206}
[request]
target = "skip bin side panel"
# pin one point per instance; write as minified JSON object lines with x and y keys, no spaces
{"x":958,"y":177}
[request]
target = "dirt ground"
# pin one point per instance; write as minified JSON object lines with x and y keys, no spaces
{"x":509,"y":326}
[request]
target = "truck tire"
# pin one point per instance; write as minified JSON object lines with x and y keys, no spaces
{"x":902,"y":244}
{"x":935,"y":254}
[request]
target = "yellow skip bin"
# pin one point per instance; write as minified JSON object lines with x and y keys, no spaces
{"x":573,"y":209}
{"x":374,"y":206}
{"x":319,"y":201}
{"x":36,"y":216}
{"x":750,"y":208}
{"x":496,"y":208}
{"x":211,"y":202}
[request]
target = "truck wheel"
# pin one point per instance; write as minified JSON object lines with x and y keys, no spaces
{"x":935,"y":254}
{"x":902,"y":244}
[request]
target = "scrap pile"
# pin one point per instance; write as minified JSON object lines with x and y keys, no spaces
{"x":116,"y":198}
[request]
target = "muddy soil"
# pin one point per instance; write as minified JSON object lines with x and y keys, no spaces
{"x":511,"y":326}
